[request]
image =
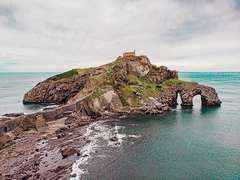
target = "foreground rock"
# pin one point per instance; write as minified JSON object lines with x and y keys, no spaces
{"x":40,"y":155}
{"x":129,"y":85}
{"x":69,"y":151}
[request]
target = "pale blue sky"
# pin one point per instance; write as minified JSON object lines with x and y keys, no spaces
{"x":53,"y":35}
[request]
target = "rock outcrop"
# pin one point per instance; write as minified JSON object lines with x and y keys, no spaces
{"x":208,"y":95}
{"x":159,"y":74}
{"x":55,"y":90}
{"x":130,"y":84}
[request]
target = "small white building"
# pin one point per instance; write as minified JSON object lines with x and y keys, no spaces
{"x":129,"y":54}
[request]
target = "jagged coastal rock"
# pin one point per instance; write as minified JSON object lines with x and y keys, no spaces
{"x":129,"y":85}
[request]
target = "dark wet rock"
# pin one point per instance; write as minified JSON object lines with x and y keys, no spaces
{"x":61,"y":130}
{"x":69,"y":151}
{"x":114,"y":138}
{"x":61,"y":135}
{"x":59,"y":168}
{"x":13,"y":114}
{"x":73,"y":175}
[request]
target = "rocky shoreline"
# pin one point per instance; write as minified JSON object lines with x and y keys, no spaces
{"x":44,"y":145}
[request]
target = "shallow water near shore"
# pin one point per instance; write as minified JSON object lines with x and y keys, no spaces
{"x":197,"y":143}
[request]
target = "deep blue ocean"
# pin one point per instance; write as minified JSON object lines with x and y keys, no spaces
{"x":197,"y":143}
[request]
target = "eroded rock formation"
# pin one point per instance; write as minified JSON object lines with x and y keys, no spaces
{"x":208,"y":95}
{"x":55,"y":90}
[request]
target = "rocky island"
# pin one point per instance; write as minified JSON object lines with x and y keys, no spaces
{"x":45,"y":144}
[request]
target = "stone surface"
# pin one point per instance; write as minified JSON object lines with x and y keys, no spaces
{"x":109,"y":101}
{"x":119,"y":74}
{"x":208,"y":95}
{"x":13,"y":114}
{"x":138,"y":65}
{"x":4,"y":139}
{"x":155,"y":107}
{"x":69,"y":151}
{"x":159,"y":74}
{"x":55,"y":91}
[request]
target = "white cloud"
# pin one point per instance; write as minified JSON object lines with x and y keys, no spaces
{"x":55,"y":35}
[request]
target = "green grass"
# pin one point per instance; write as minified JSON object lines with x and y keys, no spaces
{"x":97,"y":93}
{"x":72,"y":73}
{"x":67,"y":74}
{"x":128,"y":96}
{"x":176,"y":82}
{"x":134,"y":80}
{"x":138,"y":89}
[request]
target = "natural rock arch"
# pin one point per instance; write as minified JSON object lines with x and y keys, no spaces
{"x":178,"y":98}
{"x":208,"y":95}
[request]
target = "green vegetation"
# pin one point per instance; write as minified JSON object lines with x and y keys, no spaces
{"x":82,"y":71}
{"x":138,"y":89}
{"x":144,"y":86}
{"x":72,"y":73}
{"x":129,"y":96}
{"x":67,"y":74}
{"x":175,"y":82}
{"x":97,"y":93}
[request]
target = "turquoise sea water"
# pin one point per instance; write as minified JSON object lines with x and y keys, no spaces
{"x":12,"y":88}
{"x":198,"y":143}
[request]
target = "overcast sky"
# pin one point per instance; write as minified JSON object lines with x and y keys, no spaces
{"x":57,"y":35}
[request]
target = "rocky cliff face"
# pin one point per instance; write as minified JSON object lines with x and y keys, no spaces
{"x":55,"y":90}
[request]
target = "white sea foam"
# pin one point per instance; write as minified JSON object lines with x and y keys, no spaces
{"x":134,"y":136}
{"x":98,"y":132}
{"x":95,"y":132}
